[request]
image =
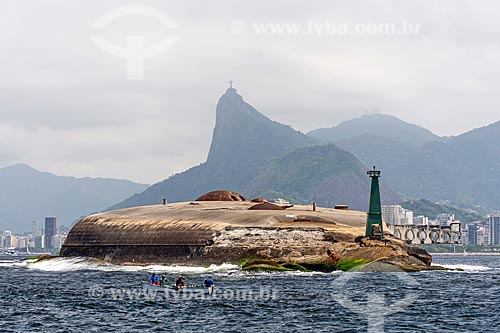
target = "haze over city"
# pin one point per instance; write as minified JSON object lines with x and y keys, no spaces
{"x":68,"y":107}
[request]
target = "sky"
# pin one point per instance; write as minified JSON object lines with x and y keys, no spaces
{"x":128,"y":89}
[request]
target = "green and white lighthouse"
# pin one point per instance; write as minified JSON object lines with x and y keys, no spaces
{"x":374,"y":228}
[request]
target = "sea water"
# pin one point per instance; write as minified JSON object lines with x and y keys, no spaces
{"x":82,"y":295}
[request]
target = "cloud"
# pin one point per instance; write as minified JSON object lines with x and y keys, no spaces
{"x":66,"y":106}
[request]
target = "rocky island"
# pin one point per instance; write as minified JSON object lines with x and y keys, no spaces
{"x":255,"y":155}
{"x":256,"y":233}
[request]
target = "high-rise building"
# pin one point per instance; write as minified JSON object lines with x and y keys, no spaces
{"x":480,"y":235}
{"x":391,"y":214}
{"x":494,"y":229}
{"x":34,"y":229}
{"x":465,"y":237}
{"x":22,"y":242}
{"x":397,"y":215}
{"x":50,"y":231}
{"x":39,"y":242}
{"x":408,"y":217}
{"x":472,"y":232}
{"x":9,"y":240}
{"x":487,"y":235}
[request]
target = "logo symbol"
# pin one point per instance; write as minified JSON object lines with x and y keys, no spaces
{"x":374,"y":308}
{"x":96,"y":292}
{"x":135,"y":52}
{"x":239,"y":27}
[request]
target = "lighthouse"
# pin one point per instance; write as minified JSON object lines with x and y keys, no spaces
{"x":374,"y":228}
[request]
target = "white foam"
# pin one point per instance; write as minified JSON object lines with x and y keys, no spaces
{"x":16,"y":263}
{"x":80,"y":263}
{"x":7,"y":264}
{"x":191,"y":269}
{"x":63,"y":264}
{"x":466,"y":268}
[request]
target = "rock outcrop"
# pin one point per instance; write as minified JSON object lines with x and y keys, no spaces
{"x":244,"y":141}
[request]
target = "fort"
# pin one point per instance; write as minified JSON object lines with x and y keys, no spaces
{"x":223,"y":226}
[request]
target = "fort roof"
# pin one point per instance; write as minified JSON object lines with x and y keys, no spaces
{"x":195,"y":222}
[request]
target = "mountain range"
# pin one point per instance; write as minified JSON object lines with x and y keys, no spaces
{"x":379,"y":125}
{"x":463,"y":170}
{"x":30,"y":195}
{"x":256,"y":156}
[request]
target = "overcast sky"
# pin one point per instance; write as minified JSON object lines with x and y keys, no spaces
{"x":66,"y":105}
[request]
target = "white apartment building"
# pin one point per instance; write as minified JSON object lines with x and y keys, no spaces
{"x":421,"y":220}
{"x":397,"y":215}
{"x":9,"y":240}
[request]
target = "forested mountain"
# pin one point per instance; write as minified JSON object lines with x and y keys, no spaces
{"x":463,"y":170}
{"x":254,"y":155}
{"x":325,"y":174}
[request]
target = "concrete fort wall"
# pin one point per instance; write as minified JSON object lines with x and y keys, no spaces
{"x":229,"y":245}
{"x":212,"y":232}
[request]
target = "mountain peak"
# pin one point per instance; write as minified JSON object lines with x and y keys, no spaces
{"x":242,"y":133}
{"x":231,"y":91}
{"x":244,"y":142}
{"x":18,"y":168}
{"x":379,"y":115}
{"x":383,"y":125}
{"x":229,"y":103}
{"x":231,"y":95}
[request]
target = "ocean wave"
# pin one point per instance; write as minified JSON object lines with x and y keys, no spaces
{"x":467,"y":268}
{"x":66,"y":264}
{"x":79,"y":263}
{"x":16,"y":263}
{"x":61,"y":264}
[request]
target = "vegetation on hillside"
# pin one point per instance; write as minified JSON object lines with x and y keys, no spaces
{"x":249,"y":155}
{"x":431,"y":210}
{"x":325,"y":174}
{"x":449,"y":248}
{"x":418,"y":164}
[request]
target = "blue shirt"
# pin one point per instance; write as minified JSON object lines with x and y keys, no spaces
{"x":153,"y":278}
{"x":209,"y":283}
